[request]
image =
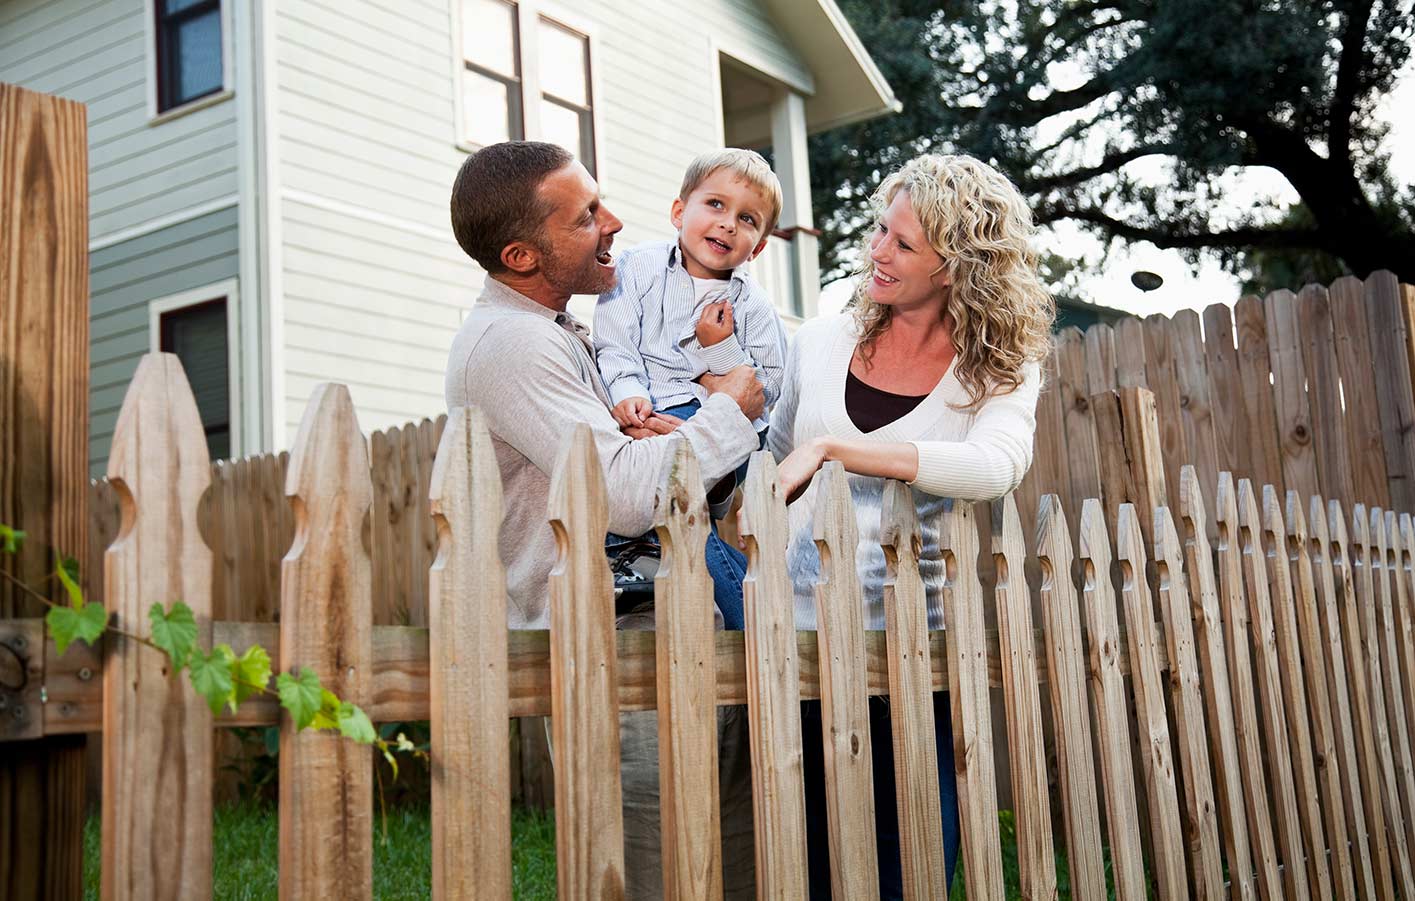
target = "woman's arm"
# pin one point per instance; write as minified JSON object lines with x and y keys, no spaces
{"x":886,"y":459}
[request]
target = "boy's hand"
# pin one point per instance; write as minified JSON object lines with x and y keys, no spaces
{"x":632,"y":411}
{"x":715,"y":324}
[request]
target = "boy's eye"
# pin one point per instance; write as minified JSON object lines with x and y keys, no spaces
{"x":715,"y":203}
{"x":749,"y":219}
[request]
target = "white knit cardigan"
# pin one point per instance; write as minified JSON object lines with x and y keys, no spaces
{"x":969,"y":455}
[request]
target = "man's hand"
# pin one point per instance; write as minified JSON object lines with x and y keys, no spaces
{"x":632,"y":411}
{"x":715,"y":324}
{"x":741,"y":385}
{"x":655,"y":425}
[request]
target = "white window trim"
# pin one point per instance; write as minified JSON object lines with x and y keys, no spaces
{"x":528,"y":15}
{"x":227,"y":289}
{"x":228,"y":89}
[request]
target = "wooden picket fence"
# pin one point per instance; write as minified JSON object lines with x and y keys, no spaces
{"x":1281,"y":652}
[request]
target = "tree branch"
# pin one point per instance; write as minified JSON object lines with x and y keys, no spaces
{"x":1348,"y":82}
{"x":1108,"y":164}
{"x":1254,"y":236}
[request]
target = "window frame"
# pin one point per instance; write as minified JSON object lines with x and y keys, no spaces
{"x":227,"y":290}
{"x":528,"y":16}
{"x":155,"y":114}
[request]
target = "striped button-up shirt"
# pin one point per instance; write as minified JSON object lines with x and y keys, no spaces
{"x":643,"y":332}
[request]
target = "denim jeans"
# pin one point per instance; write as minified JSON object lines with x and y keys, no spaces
{"x":891,"y":875}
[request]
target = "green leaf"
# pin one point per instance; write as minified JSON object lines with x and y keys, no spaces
{"x":300,"y":696}
{"x":211,"y":676}
{"x":11,"y":539}
{"x":355,"y":724}
{"x":69,"y":624}
{"x":251,"y":673}
{"x":388,"y":756}
{"x":174,"y":632}
{"x":68,"y":572}
{"x":328,"y":715}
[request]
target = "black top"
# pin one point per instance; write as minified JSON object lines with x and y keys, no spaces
{"x":869,"y":408}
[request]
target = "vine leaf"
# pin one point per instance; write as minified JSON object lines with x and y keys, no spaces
{"x":251,"y":673}
{"x":11,"y":539}
{"x":328,"y":715}
{"x":68,"y":572}
{"x":300,"y":696}
{"x":174,"y":632}
{"x":355,"y":724}
{"x":211,"y":677}
{"x":84,"y":622}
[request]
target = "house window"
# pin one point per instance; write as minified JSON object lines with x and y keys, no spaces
{"x":198,"y":336}
{"x":524,"y":76}
{"x":189,"y":64}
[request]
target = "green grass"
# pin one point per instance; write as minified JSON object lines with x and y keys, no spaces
{"x":246,"y":850}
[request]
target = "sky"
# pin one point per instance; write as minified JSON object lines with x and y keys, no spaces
{"x":1186,"y":286}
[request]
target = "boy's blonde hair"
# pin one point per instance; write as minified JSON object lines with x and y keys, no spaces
{"x":747,"y":165}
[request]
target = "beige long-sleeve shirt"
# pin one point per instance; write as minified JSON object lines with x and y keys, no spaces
{"x":531,"y":371}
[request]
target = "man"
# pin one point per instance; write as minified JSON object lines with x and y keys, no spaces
{"x":531,"y":216}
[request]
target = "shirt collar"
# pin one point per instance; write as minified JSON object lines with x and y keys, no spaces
{"x":739,"y":275}
{"x":495,"y":293}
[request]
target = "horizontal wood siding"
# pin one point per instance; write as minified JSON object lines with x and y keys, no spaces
{"x":375,"y":287}
{"x":96,"y":53}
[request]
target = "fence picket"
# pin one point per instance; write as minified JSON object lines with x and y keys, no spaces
{"x":589,"y":820}
{"x":1389,"y":342}
{"x":968,"y":691}
{"x":916,"y":773}
{"x":1082,"y":459}
{"x":1049,"y":462}
{"x":1358,"y":382}
{"x":845,"y":727}
{"x":1160,"y":346}
{"x":1108,"y":698}
{"x":158,"y":731}
{"x":1240,"y":666}
{"x":1318,"y":701}
{"x":1399,"y":533}
{"x":1196,"y":407}
{"x":686,"y":685}
{"x":1324,"y":392}
{"x":1225,"y":388}
{"x":1254,"y":372}
{"x":326,"y":624}
{"x":1387,"y":846}
{"x":1100,"y":359}
{"x":1129,"y":344}
{"x":1294,"y":416}
{"x":772,"y":688}
{"x":1214,"y":684}
{"x":1036,"y":858}
{"x":467,"y":671}
{"x":1389,"y":657}
{"x":1201,"y":821}
{"x":1289,"y":651}
{"x":1147,"y":683}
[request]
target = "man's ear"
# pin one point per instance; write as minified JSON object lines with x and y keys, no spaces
{"x":520,"y":257}
{"x":675,"y":213}
{"x":759,"y":248}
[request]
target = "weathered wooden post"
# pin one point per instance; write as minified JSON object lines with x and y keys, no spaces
{"x":43,"y":453}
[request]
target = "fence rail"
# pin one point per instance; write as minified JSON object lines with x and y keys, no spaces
{"x":1280,"y":653}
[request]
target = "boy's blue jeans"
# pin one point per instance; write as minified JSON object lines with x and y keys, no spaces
{"x":726,"y":564}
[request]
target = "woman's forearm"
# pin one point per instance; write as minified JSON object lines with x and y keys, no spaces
{"x":886,"y":459}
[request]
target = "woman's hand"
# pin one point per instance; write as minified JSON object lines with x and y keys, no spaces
{"x":794,"y":473}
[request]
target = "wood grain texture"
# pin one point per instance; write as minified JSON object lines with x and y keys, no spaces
{"x":471,"y":772}
{"x":687,"y":681}
{"x":1066,"y":665}
{"x":1130,"y":352}
{"x":1389,"y":656}
{"x":1214,"y":684}
{"x":158,"y":738}
{"x":773,"y":704}
{"x":1148,"y":684}
{"x":1108,"y":701}
{"x":845,"y":728}
{"x":1385,"y":321}
{"x":1191,"y":739}
{"x":1225,"y":389}
{"x":1326,"y":759}
{"x":1049,"y":472}
{"x":44,"y":425}
{"x":916,"y":773}
{"x":1324,"y":393}
{"x":1161,"y":344}
{"x":326,"y":783}
{"x":1369,"y":851}
{"x":1386,"y":857}
{"x":1294,"y":417}
{"x":1358,"y":382}
{"x":1399,"y":536}
{"x":1294,"y":692}
{"x":1254,"y":372}
{"x":1082,"y":459}
{"x":1233,"y":602}
{"x":968,"y":694}
{"x":589,"y":818}
{"x":1196,"y":408}
{"x":1036,"y":860}
{"x":1100,"y":359}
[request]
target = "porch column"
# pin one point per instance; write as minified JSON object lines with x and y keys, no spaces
{"x":788,"y":141}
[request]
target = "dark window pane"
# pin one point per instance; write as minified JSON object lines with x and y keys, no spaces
{"x":198,"y":56}
{"x":176,"y":6}
{"x":197,"y":335}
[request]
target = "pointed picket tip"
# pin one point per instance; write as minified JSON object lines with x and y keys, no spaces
{"x":1360,"y":529}
{"x":1129,"y":540}
{"x":578,"y":478}
{"x":1378,"y":532}
{"x":898,"y":519}
{"x":1095,"y":544}
{"x":1272,"y":515}
{"x":330,"y":455}
{"x":1053,"y":536}
{"x":1191,"y":497}
{"x":1392,"y":533}
{"x":680,"y":495}
{"x":1006,"y":523}
{"x":158,"y":410}
{"x":763,"y":505}
{"x":1226,"y":502}
{"x":1317,"y":519}
{"x":1167,"y":543}
{"x":835,"y":513}
{"x":1407,"y":534}
{"x":1296,"y":520}
{"x":1248,"y":517}
{"x":1336,"y":523}
{"x":464,"y":470}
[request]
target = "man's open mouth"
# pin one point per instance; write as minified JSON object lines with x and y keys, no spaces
{"x":605,"y":258}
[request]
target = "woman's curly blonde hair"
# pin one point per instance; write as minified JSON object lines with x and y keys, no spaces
{"x":976,"y":220}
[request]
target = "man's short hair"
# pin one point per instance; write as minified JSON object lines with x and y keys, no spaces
{"x":496,"y":197}
{"x":747,"y":165}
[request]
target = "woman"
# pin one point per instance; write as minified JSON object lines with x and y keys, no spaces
{"x":932,"y":378}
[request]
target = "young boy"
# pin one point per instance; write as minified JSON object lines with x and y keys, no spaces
{"x":686,"y":307}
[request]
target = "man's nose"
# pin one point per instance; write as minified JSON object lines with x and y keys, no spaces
{"x":609,"y":223}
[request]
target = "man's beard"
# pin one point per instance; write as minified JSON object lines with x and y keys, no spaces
{"x":584,"y":276}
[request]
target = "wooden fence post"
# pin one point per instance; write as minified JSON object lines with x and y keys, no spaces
{"x":467,"y":663}
{"x":44,"y":380}
{"x":1385,"y":320}
{"x":157,"y":763}
{"x":589,"y":817}
{"x":773,"y":680}
{"x":326,"y":624}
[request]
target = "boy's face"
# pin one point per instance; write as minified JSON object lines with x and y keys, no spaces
{"x":721,"y":224}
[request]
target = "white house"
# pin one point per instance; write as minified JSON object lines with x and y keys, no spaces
{"x":269,"y":180}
